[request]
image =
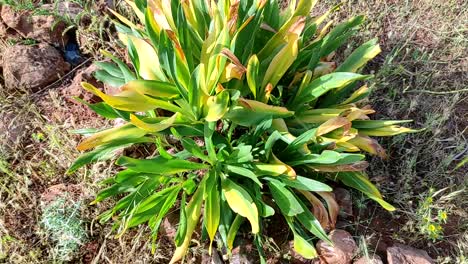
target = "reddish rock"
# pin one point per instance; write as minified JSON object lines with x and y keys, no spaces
{"x":73,"y":191}
{"x":43,"y":27}
{"x":375,"y":259}
{"x":75,"y":89}
{"x":401,"y":254}
{"x":342,"y":251}
{"x":32,"y":67}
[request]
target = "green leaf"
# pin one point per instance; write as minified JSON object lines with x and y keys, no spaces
{"x":126,"y":72}
{"x":216,"y":106}
{"x":108,"y":79}
{"x":326,"y":157}
{"x":110,"y":69}
{"x":244,"y":172}
{"x":191,"y":146}
{"x":285,"y":200}
{"x":105,"y":110}
{"x":241,"y":154}
{"x":104,"y":152}
{"x":233,"y":231}
{"x":300,"y":141}
{"x":160,"y":165}
{"x":358,"y":181}
{"x":208,"y":135}
{"x":156,"y":89}
{"x":251,"y":113}
{"x":310,"y":222}
{"x":324,"y":84}
{"x":306,"y":184}
{"x":182,"y":229}
{"x":212,"y":212}
{"x":252,"y":74}
{"x":240,"y":202}
{"x":360,"y":57}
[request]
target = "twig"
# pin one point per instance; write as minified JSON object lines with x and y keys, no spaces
{"x":59,"y":80}
{"x":438,"y":93}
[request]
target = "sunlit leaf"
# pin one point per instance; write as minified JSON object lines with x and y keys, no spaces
{"x":241,"y":202}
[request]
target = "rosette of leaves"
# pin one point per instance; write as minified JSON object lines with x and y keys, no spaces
{"x":263,"y":119}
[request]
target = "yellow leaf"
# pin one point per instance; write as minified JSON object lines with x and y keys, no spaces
{"x":153,"y":88}
{"x":275,"y":168}
{"x":127,"y":131}
{"x":231,"y":71}
{"x":316,"y":116}
{"x":284,"y":59}
{"x":149,"y":68}
{"x":137,"y":11}
{"x":387,"y":131}
{"x":363,"y":90}
{"x":193,"y":212}
{"x":368,"y":144}
{"x":126,"y":100}
{"x":303,"y":247}
{"x":123,"y":19}
{"x":216,"y":106}
{"x":164,"y":124}
{"x":333,"y":124}
{"x":240,"y":202}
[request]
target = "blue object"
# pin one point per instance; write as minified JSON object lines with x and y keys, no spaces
{"x":72,"y":53}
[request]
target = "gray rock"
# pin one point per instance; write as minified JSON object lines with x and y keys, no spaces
{"x":401,"y":254}
{"x":342,"y":251}
{"x":30,"y":67}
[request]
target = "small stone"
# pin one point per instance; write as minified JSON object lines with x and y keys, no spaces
{"x":169,"y":224}
{"x":343,"y":250}
{"x":375,"y":259}
{"x":244,"y":253}
{"x":32,"y":67}
{"x":401,"y":254}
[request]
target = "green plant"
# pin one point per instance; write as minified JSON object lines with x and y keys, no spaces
{"x":61,"y":223}
{"x":432,"y":212}
{"x":249,"y":114}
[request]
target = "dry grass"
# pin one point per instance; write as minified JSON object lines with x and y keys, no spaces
{"x":422,"y":74}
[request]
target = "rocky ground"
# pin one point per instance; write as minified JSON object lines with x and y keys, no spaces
{"x":47,"y":49}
